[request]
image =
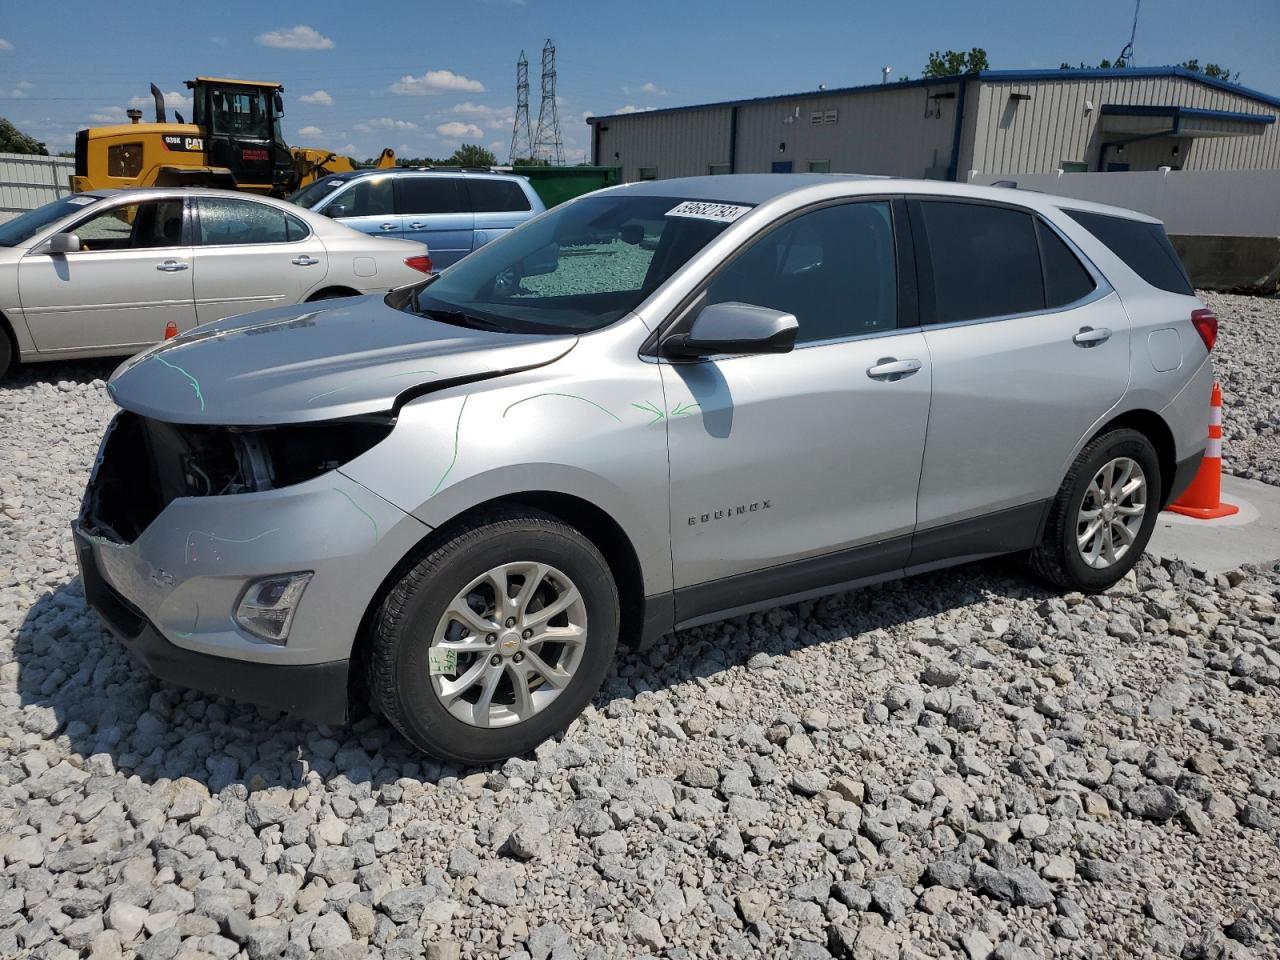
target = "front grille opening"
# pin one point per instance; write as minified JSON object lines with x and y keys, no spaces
{"x":146,"y":464}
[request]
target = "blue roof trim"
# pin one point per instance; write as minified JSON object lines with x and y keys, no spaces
{"x":992,"y":76}
{"x":1177,"y":113}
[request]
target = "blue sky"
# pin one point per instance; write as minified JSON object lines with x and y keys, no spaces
{"x":423,"y":76}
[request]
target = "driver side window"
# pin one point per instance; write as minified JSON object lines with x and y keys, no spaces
{"x":834,"y":268}
{"x":134,"y":226}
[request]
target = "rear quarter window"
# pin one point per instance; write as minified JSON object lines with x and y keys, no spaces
{"x":496,"y":196}
{"x":1065,"y":278}
{"x":1144,"y":247}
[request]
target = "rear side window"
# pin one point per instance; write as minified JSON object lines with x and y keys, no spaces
{"x":297,"y":228}
{"x":1065,"y":278}
{"x":227,"y":221}
{"x":430,"y":195}
{"x":1144,"y":247}
{"x":986,"y":262}
{"x":496,"y":196}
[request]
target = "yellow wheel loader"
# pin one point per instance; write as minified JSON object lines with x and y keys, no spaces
{"x":233,"y":141}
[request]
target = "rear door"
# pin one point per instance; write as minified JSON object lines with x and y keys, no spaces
{"x":251,"y":255}
{"x":499,"y":205}
{"x":1030,"y":347}
{"x":367,"y":205}
{"x":436,"y":210}
{"x":129,"y":281}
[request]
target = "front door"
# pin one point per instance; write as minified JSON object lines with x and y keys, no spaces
{"x":367,"y":205}
{"x":798,"y":471}
{"x":251,"y":255}
{"x":435,"y":210}
{"x":1030,"y":348}
{"x":131,"y":278}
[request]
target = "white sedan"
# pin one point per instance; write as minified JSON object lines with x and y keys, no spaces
{"x":110,"y":272}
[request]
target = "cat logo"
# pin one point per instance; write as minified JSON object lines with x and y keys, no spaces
{"x":183,"y":144}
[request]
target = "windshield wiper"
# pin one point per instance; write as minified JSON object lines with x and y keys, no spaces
{"x":461,"y":319}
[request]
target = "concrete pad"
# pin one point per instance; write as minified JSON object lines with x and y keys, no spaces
{"x":1215,"y":546}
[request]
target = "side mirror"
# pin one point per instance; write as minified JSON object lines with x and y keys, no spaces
{"x":278,"y":103}
{"x":734,"y":328}
{"x":64,"y":243}
{"x":335,"y":210}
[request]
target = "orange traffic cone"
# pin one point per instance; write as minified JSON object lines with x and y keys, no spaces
{"x":1203,"y":499}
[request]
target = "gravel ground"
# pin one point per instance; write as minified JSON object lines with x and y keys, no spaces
{"x":956,"y":765}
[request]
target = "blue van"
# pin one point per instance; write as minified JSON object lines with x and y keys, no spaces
{"x":452,"y":211}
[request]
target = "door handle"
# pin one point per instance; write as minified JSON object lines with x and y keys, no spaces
{"x":1091,"y":337}
{"x":171,"y":266}
{"x":386,"y":226}
{"x":306,"y":261}
{"x":889,"y":368}
{"x":417,"y":226}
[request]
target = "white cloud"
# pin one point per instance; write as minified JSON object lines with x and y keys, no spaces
{"x":651,"y":89}
{"x":632,"y":108}
{"x":469,"y":109}
{"x":319,"y":97}
{"x":351,"y":148}
{"x":173,"y":99}
{"x":5,"y":44}
{"x":436,"y":81}
{"x":456,"y":129}
{"x":218,"y":41}
{"x":109,"y":115}
{"x":301,"y":37}
{"x":311,"y":130}
{"x":385,"y":123}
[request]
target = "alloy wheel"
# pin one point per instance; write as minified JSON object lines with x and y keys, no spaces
{"x":508,"y":644}
{"x":1111,"y":513}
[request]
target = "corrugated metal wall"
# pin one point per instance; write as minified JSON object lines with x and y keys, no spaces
{"x":678,"y":144}
{"x":27,"y":182}
{"x":1037,"y":135}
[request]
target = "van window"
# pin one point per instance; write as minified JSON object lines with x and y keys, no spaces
{"x":834,"y":269}
{"x":1144,"y":247}
{"x":1065,"y":278}
{"x":496,"y":196}
{"x":430,"y":195}
{"x":370,"y":197}
{"x":985,"y":260}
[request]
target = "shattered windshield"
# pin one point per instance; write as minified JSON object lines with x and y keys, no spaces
{"x":578,"y":268}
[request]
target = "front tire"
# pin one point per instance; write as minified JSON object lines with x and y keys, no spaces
{"x":496,"y":639}
{"x":1103,"y":515}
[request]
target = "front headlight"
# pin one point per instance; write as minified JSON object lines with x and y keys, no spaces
{"x":267,"y":605}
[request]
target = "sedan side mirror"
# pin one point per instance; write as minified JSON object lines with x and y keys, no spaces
{"x":734,"y":328}
{"x":335,"y":210}
{"x":65,"y":243}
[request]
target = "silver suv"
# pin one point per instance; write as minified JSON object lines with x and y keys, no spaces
{"x":652,"y":407}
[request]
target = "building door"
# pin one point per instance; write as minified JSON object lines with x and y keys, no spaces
{"x":781,"y":166}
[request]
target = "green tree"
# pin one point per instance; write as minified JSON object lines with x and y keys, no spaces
{"x":1214,"y":70}
{"x":472,"y":155}
{"x":13,"y":140}
{"x":951,"y":63}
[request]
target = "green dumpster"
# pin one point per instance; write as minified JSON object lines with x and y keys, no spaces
{"x":558,"y":184}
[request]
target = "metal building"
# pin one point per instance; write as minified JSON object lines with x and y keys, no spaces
{"x":996,"y":121}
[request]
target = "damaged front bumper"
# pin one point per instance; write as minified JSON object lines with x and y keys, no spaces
{"x":170,"y":586}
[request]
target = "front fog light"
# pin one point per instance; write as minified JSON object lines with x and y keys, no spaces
{"x":267,"y":605}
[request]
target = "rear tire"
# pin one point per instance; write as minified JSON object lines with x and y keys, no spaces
{"x":6,"y":350}
{"x":445,"y":713}
{"x":1102,"y":517}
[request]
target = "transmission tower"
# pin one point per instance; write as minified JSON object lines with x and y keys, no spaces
{"x":547,"y":142}
{"x":521,"y":138}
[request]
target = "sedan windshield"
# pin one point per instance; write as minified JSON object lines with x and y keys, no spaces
{"x":578,"y":268}
{"x":22,"y":228}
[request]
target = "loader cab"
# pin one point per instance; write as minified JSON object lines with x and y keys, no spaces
{"x":241,"y":120}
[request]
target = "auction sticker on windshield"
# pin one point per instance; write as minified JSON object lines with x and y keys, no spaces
{"x":702,"y":210}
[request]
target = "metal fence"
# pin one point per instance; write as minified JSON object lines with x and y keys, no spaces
{"x":1197,"y":203}
{"x":28,"y":181}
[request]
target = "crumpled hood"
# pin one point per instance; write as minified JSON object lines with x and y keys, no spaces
{"x":312,"y":362}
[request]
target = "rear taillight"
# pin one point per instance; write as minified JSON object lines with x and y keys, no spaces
{"x":1206,"y":324}
{"x":422,"y":263}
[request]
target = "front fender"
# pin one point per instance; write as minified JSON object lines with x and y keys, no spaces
{"x":601,"y":439}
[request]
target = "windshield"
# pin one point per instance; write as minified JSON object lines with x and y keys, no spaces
{"x":241,"y":113}
{"x":578,"y":268}
{"x":313,"y":193}
{"x":22,"y":228}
